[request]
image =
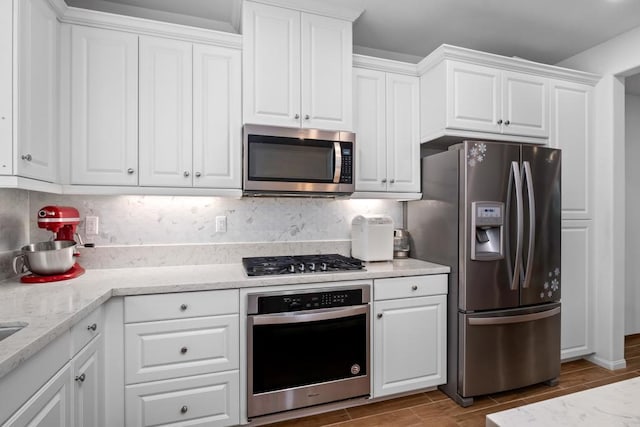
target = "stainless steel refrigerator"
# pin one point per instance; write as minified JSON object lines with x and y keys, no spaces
{"x":491,"y":211}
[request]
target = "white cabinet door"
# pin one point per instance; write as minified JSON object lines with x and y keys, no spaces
{"x":326,"y":73}
{"x":577,"y":289}
{"x":6,"y":87}
{"x":271,"y":65}
{"x":165,"y":112}
{"x":49,"y":407}
{"x":369,"y":97}
{"x":37,"y":97}
{"x":403,"y":133}
{"x":205,"y":400}
{"x":409,"y":344}
{"x":104,"y":107}
{"x":473,"y":97}
{"x":571,"y":130}
{"x":524,"y":104}
{"x":217,"y":121}
{"x":88,"y":397}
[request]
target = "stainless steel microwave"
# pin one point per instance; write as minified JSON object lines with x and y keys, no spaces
{"x":290,"y":161}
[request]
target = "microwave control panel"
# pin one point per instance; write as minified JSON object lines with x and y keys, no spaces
{"x":346,"y":173}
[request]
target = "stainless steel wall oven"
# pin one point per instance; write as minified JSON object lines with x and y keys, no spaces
{"x":307,"y":347}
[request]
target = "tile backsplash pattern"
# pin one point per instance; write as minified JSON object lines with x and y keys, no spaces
{"x":14,"y":227}
{"x":155,"y":230}
{"x":159,"y":220}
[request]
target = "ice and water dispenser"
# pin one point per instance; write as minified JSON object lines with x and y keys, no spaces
{"x":487,"y":231}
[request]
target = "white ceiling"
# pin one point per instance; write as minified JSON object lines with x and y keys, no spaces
{"x":545,"y":31}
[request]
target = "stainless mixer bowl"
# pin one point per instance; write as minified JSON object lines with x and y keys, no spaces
{"x":47,"y":258}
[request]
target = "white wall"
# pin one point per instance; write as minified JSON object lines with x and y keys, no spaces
{"x":613,"y":59}
{"x":632,"y":181}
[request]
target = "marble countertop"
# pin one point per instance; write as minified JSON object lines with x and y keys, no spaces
{"x":51,"y":309}
{"x":612,"y":405}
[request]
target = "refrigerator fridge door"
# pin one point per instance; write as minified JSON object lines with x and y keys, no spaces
{"x":540,"y":272}
{"x":489,"y":173}
{"x":508,"y":349}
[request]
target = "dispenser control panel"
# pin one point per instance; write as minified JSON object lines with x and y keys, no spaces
{"x":487,"y":231}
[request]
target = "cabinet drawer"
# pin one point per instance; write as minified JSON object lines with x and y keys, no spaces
{"x":211,"y":400}
{"x":85,"y":330}
{"x":145,"y":308}
{"x":175,"y":348}
{"x":414,"y":286}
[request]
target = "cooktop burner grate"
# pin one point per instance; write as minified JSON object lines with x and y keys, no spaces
{"x":262,"y":266}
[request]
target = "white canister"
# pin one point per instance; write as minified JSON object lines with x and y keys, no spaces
{"x":372,"y":237}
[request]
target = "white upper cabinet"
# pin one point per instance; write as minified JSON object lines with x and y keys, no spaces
{"x":6,"y":88}
{"x":104,"y":107}
{"x":486,"y":99}
{"x":165,"y":112}
{"x":386,"y":122}
{"x":37,"y":97}
{"x":217,"y":120}
{"x":571,"y":130}
{"x":296,"y":68}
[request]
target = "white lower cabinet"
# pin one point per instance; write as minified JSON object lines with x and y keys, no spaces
{"x":49,"y":407}
{"x":409,"y":334}
{"x":204,"y":400}
{"x":182,"y":359}
{"x":87,"y":371}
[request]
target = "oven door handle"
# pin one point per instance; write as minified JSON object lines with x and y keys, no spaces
{"x":309,"y":316}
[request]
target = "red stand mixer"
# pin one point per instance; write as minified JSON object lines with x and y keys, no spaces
{"x":63,"y":221}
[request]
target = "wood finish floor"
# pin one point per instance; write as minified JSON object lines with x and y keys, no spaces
{"x":435,"y":409}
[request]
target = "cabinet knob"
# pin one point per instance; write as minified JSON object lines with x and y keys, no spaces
{"x":379,"y":316}
{"x":384,"y":180}
{"x":306,"y":117}
{"x":80,"y":378}
{"x":507,"y":123}
{"x":183,"y":307}
{"x":186,"y":174}
{"x":297,"y":116}
{"x":393,"y":181}
{"x":130,"y":171}
{"x":184,"y":409}
{"x":184,"y":350}
{"x":92,"y":327}
{"x":198,"y":174}
{"x":27,"y":157}
{"x":499,"y":122}
{"x":414,"y":288}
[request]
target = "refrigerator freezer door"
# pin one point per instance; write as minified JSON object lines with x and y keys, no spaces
{"x":542,"y":225}
{"x":486,"y":170}
{"x":508,"y":349}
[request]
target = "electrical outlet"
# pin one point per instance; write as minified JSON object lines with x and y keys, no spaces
{"x":91,"y":226}
{"x":221,"y":224}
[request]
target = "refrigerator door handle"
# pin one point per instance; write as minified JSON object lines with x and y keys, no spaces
{"x":505,"y":320}
{"x":515,"y":173}
{"x":532,"y":223}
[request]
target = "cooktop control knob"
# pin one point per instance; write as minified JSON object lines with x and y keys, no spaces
{"x":292,"y":268}
{"x":301,"y":267}
{"x":312,"y":266}
{"x":323,"y":266}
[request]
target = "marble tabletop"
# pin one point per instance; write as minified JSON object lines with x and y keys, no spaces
{"x":50,"y":309}
{"x":612,"y":405}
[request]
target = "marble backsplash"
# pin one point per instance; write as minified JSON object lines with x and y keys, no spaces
{"x":14,"y":227}
{"x":159,"y":230}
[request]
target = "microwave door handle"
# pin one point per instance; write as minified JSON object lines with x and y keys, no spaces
{"x":337,"y":152}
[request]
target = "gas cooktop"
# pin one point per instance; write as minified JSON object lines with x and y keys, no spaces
{"x":263,"y":266}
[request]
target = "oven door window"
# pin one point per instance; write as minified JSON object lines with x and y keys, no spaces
{"x":298,"y":354}
{"x":288,"y":159}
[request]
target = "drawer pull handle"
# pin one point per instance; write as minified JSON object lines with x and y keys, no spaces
{"x":414,"y":288}
{"x":379,"y":316}
{"x":184,"y":350}
{"x":80,"y":378}
{"x":92,"y":327}
{"x":183,"y":307}
{"x":184,"y":409}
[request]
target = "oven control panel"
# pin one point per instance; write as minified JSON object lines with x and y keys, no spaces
{"x":308,"y":301}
